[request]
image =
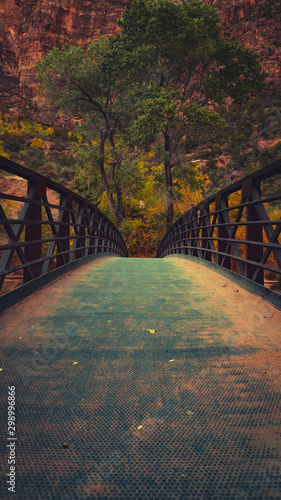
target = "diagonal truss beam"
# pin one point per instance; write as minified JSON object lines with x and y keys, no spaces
{"x":271,"y":233}
{"x":208,"y":232}
{"x":231,"y":231}
{"x":14,"y":234}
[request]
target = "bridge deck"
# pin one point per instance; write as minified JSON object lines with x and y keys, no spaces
{"x":107,"y":409}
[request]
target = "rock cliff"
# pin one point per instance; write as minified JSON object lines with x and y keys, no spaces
{"x":30,"y":28}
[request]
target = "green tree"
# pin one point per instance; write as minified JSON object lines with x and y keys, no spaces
{"x":185,"y":71}
{"x":89,"y":85}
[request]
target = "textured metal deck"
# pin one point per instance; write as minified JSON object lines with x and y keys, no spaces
{"x":107,"y":409}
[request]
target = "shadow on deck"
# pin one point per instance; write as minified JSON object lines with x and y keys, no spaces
{"x":141,"y":379}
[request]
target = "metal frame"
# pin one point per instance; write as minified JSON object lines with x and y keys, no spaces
{"x":80,"y":229}
{"x":211,"y":234}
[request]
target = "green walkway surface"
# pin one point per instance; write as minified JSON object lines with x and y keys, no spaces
{"x":143,"y":379}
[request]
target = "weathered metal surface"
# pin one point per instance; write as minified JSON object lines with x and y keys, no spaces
{"x":38,"y":239}
{"x":107,"y":409}
{"x":243,"y":237}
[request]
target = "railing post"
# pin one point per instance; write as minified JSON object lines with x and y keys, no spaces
{"x":81,"y":230}
{"x":99,"y":233}
{"x":95,"y":231}
{"x":110,"y":243}
{"x":184,"y":233}
{"x":193,"y":250}
{"x":174,"y":231}
{"x":105,"y":231}
{"x":64,"y":228}
{"x":33,"y":232}
{"x":180,"y":236}
{"x":188,"y":233}
{"x":223,"y":261}
{"x":253,"y":233}
{"x":204,"y":214}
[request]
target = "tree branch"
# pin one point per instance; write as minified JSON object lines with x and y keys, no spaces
{"x":89,"y":98}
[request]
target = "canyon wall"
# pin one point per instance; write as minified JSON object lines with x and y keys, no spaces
{"x":30,"y":28}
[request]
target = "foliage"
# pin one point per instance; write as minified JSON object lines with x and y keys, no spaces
{"x":2,"y":152}
{"x":37,"y":143}
{"x":158,"y":105}
{"x":91,"y":85}
{"x":37,"y":147}
{"x":185,"y":71}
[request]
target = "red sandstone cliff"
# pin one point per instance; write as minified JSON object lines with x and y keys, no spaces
{"x":30,"y":28}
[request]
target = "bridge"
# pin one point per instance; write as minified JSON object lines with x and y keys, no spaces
{"x":140,"y":378}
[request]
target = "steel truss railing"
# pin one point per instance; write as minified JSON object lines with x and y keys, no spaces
{"x":47,"y":235}
{"x":241,"y":236}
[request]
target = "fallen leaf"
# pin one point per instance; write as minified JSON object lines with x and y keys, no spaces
{"x":1,"y":369}
{"x":139,"y":427}
{"x":170,"y":360}
{"x":189,"y":412}
{"x":151,"y":331}
{"x":75,"y":363}
{"x":20,"y":337}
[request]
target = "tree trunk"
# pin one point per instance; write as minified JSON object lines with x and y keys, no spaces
{"x":103,"y":137}
{"x":120,"y":212}
{"x":114,"y":168}
{"x":169,"y":180}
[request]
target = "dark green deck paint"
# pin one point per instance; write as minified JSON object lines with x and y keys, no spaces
{"x":182,"y":413}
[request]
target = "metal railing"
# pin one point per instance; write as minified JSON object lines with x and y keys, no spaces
{"x":238,"y":228}
{"x":38,"y":235}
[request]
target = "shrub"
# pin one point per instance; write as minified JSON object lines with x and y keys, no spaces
{"x":13,"y":144}
{"x":37,"y":143}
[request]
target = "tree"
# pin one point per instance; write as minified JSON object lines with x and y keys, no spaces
{"x":89,"y":84}
{"x":185,"y":72}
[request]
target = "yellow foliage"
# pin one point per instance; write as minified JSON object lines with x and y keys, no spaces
{"x":36,"y":127}
{"x":2,"y":152}
{"x":12,"y":129}
{"x":191,"y":197}
{"x":37,"y":143}
{"x":274,"y":213}
{"x":103,"y":202}
{"x":49,"y":131}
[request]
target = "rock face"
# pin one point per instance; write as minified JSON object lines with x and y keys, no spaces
{"x":256,"y":24}
{"x":30,"y":28}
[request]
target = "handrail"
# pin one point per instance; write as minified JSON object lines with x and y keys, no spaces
{"x":243,"y":237}
{"x":48,"y":235}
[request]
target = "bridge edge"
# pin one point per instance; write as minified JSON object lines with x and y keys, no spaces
{"x":266,"y":294}
{"x":12,"y":298}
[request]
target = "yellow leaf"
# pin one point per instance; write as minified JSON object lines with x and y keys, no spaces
{"x":170,"y":360}
{"x":189,"y":412}
{"x":1,"y":369}
{"x":75,"y":363}
{"x":151,"y":331}
{"x":139,"y":427}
